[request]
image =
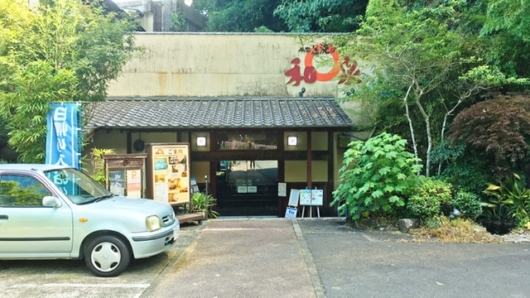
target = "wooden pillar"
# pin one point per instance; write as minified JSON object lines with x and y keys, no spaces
{"x":129,"y":141}
{"x":309,"y":160}
{"x":213,"y":165}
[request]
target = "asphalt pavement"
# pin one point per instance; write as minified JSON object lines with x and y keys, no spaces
{"x":326,"y":258}
{"x":278,"y":257}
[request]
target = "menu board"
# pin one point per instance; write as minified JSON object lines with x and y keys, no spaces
{"x":169,"y":172}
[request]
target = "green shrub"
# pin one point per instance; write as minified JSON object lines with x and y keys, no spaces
{"x":430,"y":196}
{"x":374,"y":177}
{"x":509,"y":200}
{"x":423,"y":207}
{"x":468,"y":204}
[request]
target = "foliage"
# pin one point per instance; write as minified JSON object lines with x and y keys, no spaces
{"x":374,"y":176}
{"x":201,"y":202}
{"x":468,"y":172}
{"x":428,"y":198}
{"x":240,"y":15}
{"x":321,"y":16}
{"x":499,"y":127}
{"x":98,"y":164}
{"x":178,"y":23}
{"x":59,"y":51}
{"x":429,"y":64}
{"x":507,"y":31}
{"x":417,"y":51}
{"x":508,"y":200}
{"x":469,"y":204}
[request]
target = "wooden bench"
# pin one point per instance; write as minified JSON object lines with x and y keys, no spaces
{"x":189,"y":217}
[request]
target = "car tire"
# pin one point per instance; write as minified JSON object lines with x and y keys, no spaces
{"x":107,"y":256}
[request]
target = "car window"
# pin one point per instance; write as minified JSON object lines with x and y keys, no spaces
{"x":77,"y":186}
{"x":21,"y":190}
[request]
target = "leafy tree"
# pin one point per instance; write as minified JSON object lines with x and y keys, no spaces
{"x":178,"y":23}
{"x":426,"y":67}
{"x":321,"y":16}
{"x":375,"y":176}
{"x":240,"y":15}
{"x":498,"y":127}
{"x":507,"y":31}
{"x":61,"y":51}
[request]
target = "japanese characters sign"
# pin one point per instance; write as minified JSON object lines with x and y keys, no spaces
{"x":62,"y":139}
{"x":345,"y":69}
{"x":168,"y":167}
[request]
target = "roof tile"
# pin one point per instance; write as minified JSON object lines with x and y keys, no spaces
{"x":217,"y":112}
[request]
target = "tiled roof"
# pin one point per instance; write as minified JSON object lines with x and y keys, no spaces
{"x":215,"y":112}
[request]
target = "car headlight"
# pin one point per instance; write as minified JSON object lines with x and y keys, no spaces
{"x":153,"y":223}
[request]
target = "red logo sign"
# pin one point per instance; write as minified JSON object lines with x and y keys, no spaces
{"x":346,"y":70}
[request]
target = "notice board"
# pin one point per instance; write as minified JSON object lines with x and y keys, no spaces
{"x":168,"y":177}
{"x":311,"y":197}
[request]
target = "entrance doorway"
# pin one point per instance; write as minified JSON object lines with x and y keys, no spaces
{"x":247,"y":187}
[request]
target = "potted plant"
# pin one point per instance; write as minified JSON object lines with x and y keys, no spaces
{"x":201,"y":202}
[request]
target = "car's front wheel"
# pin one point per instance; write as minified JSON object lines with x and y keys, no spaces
{"x":107,"y":256}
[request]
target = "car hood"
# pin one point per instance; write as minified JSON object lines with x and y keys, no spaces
{"x":127,"y":205}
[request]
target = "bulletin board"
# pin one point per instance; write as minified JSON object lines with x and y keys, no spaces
{"x":311,"y":197}
{"x":168,"y":177}
{"x":305,"y":197}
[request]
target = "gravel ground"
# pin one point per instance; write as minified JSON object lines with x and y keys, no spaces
{"x":521,"y":236}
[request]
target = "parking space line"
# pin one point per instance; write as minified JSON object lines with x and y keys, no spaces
{"x":123,"y":286}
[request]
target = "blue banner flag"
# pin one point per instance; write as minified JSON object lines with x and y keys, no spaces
{"x":63,"y":137}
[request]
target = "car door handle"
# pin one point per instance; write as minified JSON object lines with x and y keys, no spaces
{"x":4,"y":216}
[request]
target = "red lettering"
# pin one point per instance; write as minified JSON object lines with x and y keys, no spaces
{"x":294,"y":73}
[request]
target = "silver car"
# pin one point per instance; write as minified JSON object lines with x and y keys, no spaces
{"x":54,"y":212}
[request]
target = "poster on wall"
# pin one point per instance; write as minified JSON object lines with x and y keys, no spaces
{"x":282,"y":189}
{"x":117,"y":182}
{"x":134,"y":184}
{"x":168,"y":174}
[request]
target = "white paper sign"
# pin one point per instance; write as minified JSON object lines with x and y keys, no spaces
{"x":317,"y":197}
{"x":282,"y":189}
{"x":305,"y":197}
{"x":293,"y":198}
{"x":290,"y":212}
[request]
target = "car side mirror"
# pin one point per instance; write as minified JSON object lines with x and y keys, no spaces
{"x":50,"y":201}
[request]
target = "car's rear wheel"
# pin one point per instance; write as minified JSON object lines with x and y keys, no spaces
{"x":107,"y":256}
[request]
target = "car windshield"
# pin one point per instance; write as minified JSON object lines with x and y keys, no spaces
{"x":78,"y":187}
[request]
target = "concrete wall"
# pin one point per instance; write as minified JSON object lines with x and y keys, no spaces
{"x":217,"y":64}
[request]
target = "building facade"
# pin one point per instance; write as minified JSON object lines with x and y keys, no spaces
{"x":258,"y":110}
